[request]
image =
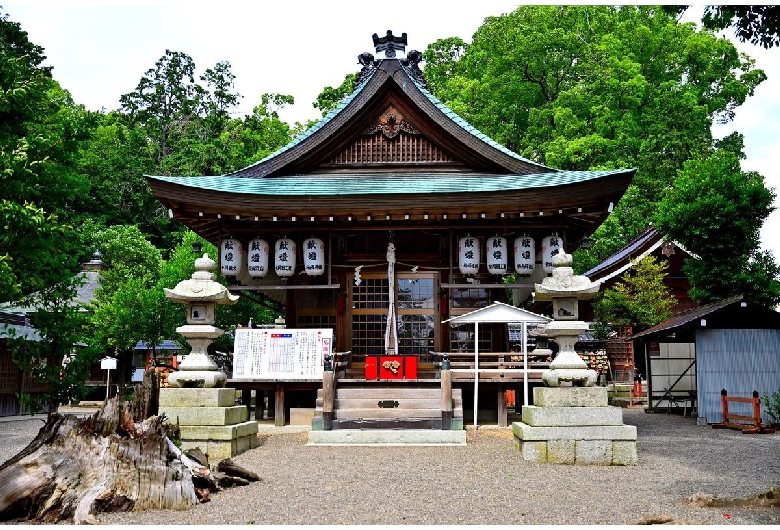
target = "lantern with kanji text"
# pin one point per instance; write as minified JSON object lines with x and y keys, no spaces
{"x":257,"y":258}
{"x":285,"y":255}
{"x":496,"y":255}
{"x":468,"y":255}
{"x":231,"y":257}
{"x":551,"y":245}
{"x":525,"y":255}
{"x":314,"y":256}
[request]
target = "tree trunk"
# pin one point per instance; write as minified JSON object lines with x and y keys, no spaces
{"x":115,"y":460}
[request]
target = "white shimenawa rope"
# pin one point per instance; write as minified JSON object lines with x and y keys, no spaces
{"x":391,"y":304}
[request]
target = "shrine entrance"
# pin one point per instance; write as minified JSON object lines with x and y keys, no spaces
{"x":416,"y":316}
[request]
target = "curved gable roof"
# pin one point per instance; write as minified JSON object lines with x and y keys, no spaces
{"x":313,"y":147}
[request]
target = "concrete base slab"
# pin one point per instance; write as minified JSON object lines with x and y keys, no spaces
{"x":387,"y":437}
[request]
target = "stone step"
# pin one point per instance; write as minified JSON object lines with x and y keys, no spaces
{"x":427,"y":437}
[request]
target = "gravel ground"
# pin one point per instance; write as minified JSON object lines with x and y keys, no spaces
{"x":486,"y":482}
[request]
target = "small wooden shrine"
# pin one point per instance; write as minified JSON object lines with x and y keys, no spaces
{"x":392,"y":209}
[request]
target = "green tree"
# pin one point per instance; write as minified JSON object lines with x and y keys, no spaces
{"x":716,"y":210}
{"x":330,"y":97}
{"x":600,"y":87}
{"x":61,"y":357}
{"x":124,"y":310}
{"x":639,"y":299}
{"x":40,"y":131}
{"x":758,"y":25}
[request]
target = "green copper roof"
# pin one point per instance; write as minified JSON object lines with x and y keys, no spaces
{"x":385,"y":183}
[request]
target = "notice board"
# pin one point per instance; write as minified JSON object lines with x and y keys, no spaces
{"x":280,"y":353}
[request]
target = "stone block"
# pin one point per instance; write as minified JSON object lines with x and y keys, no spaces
{"x":593,"y":452}
{"x":197,"y":397}
{"x":571,"y":416}
{"x":599,"y":432}
{"x":533,"y":451}
{"x":570,"y":396}
{"x":205,"y":415}
{"x":221,"y":449}
{"x":561,"y":451}
{"x":624,"y":453}
{"x":220,"y":432}
{"x":301,"y":416}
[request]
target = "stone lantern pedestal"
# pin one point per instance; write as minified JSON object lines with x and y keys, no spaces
{"x":205,"y":411}
{"x":570,"y":421}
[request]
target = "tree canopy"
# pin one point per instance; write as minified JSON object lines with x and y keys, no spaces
{"x":40,"y":130}
{"x":599,"y":87}
{"x":759,"y":25}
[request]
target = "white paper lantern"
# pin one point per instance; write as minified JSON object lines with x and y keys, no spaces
{"x":551,"y":245}
{"x":314,"y":256}
{"x":231,"y":257}
{"x":285,"y":255}
{"x":525,"y":255}
{"x":257,"y":258}
{"x":496,"y":255}
{"x":468,"y":255}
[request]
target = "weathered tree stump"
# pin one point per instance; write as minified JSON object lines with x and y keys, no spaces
{"x":115,"y":460}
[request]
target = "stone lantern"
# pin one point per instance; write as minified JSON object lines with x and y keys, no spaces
{"x":565,"y":290}
{"x":571,"y":424}
{"x":201,"y":294}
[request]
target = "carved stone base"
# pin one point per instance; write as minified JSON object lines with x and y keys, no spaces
{"x":197,"y":379}
{"x":578,"y":377}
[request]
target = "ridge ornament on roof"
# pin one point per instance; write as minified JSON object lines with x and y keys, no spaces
{"x":387,"y":48}
{"x":389,"y":45}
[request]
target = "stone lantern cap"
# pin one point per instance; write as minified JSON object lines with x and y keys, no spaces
{"x":201,"y":287}
{"x":563,"y":283}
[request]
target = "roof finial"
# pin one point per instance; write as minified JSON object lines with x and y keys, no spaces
{"x":393,"y":47}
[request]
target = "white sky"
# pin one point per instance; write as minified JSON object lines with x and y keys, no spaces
{"x":100,"y":50}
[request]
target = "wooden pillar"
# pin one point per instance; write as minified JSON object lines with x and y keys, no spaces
{"x":328,"y":398}
{"x":259,"y":404}
{"x":246,"y":400}
{"x":279,"y":406}
{"x":502,"y":413}
{"x":446,"y":394}
{"x":271,"y":404}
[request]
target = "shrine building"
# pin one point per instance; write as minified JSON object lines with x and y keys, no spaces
{"x":393,"y":209}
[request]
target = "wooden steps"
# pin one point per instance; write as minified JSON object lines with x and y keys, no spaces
{"x":408,"y":405}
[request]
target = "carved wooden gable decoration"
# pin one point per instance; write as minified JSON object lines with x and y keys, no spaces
{"x":391,"y":138}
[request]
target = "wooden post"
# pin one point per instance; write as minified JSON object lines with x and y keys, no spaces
{"x":279,"y":406}
{"x":502,"y":413}
{"x":259,"y":404}
{"x":756,"y":410}
{"x":446,"y":394}
{"x":724,"y":405}
{"x":246,"y":400}
{"x":328,"y":393}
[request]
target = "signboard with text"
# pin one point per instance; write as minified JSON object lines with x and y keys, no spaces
{"x":280,"y":353}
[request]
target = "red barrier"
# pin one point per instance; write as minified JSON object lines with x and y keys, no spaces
{"x":749,"y":424}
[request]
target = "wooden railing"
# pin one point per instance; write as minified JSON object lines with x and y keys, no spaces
{"x":501,"y":365}
{"x":746,"y":424}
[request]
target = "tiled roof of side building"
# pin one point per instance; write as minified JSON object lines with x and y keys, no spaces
{"x":627,"y":252}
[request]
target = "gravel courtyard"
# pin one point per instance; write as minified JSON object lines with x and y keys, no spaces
{"x":486,"y":482}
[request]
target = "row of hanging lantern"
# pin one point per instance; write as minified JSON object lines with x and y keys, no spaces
{"x":497,"y":254}
{"x":285,"y":257}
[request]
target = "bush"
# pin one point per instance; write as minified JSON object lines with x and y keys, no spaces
{"x":771,"y":404}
